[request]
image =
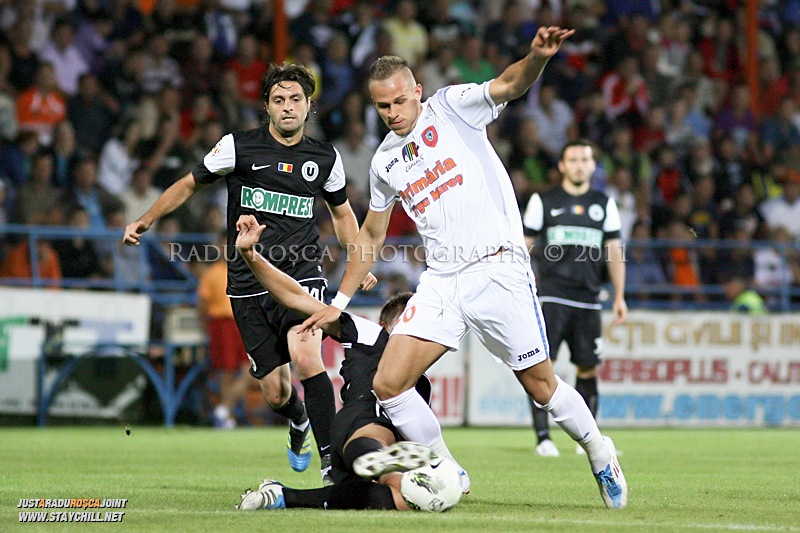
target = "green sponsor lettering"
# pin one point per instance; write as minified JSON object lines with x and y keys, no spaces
{"x":575,"y":235}
{"x":278,"y":203}
{"x":292,"y":210}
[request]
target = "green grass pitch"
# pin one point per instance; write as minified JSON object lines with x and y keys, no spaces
{"x":188,"y":479}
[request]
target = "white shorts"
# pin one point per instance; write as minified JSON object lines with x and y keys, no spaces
{"x":495,"y":298}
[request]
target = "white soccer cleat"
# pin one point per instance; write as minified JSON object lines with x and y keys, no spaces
{"x":466,"y":483}
{"x":611,"y":481}
{"x":547,"y":448}
{"x":397,"y":457}
{"x":269,"y":495}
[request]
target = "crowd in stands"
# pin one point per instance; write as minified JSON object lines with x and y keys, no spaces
{"x":104,"y":103}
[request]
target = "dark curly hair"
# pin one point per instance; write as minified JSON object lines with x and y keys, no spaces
{"x":277,"y":74}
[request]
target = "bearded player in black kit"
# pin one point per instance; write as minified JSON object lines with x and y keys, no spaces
{"x":576,"y":223}
{"x":275,"y":173}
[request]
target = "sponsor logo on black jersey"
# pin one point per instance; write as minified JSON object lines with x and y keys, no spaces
{"x":285,"y":167}
{"x":309,"y":170}
{"x":277,"y":203}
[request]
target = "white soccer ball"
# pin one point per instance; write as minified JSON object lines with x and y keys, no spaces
{"x":435,"y":487}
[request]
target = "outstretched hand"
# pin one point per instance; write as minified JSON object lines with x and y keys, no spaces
{"x":318,"y":320}
{"x":548,"y":40}
{"x":134,"y":231}
{"x":369,"y":282}
{"x":249,"y":232}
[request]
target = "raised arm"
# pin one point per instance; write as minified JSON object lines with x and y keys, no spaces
{"x":285,"y":290}
{"x":616,"y":272}
{"x":360,"y":259}
{"x":169,"y":201}
{"x":518,"y":77}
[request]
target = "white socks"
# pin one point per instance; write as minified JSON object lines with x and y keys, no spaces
{"x":413,"y":417}
{"x":573,"y":416}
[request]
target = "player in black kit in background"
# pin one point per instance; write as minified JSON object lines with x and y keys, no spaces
{"x":275,"y":173}
{"x":576,"y":223}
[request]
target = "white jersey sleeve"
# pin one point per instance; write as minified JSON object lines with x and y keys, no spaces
{"x":382,"y":196}
{"x":534,"y":213}
{"x":472,"y":103}
{"x":336,"y":180}
{"x":612,"y":222}
{"x":221,"y":160}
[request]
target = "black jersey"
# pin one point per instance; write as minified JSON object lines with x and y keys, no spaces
{"x":363,"y":342}
{"x":279,"y":185}
{"x":573,"y":230}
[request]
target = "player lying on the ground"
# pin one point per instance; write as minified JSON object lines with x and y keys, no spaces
{"x":364,"y":442}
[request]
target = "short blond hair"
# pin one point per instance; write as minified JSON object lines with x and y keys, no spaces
{"x":387,"y":66}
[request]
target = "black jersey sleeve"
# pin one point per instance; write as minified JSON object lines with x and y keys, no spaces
{"x":217,"y":163}
{"x":333,"y":190}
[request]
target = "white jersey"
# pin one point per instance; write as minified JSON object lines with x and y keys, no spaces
{"x":450,"y":180}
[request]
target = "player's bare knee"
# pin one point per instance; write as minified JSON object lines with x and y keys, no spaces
{"x":276,"y":393}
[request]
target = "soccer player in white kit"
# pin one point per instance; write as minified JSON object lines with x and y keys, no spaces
{"x":439,"y":162}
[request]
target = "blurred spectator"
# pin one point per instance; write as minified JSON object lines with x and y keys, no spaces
{"x":736,"y":119}
{"x":159,"y":68}
{"x":37,"y":197}
{"x":15,"y":158}
{"x":233,"y":111}
{"x":361,"y":26}
{"x":705,"y":91}
{"x":179,"y":21}
{"x":593,"y":124}
{"x":774,"y":266}
{"x":356,"y":153}
{"x":780,"y":136}
{"x":221,"y":28}
{"x":668,"y":180}
{"x":774,"y":86}
{"x":784,"y":211}
{"x":140,"y":195}
{"x":24,"y":61}
{"x":471,"y":65}
{"x":198,"y":70}
{"x":92,"y":112}
{"x":653,"y":133}
{"x":744,"y":300}
{"x":625,"y":94}
{"x":67,"y":60}
{"x":719,"y":50}
{"x":409,"y":37}
{"x":227,"y":353}
{"x":314,"y":25}
{"x":621,"y":154}
{"x":443,"y":29}
{"x":41,"y":107}
{"x":684,"y":268}
{"x":87,"y":193}
{"x":509,"y":38}
{"x":8,"y":105}
{"x":76,"y":255}
{"x":338,"y":75}
{"x":656,"y":79}
{"x":439,"y":71}
{"x":641,"y":265}
{"x":119,"y":158}
{"x":731,"y":171}
{"x":530,"y":163}
{"x":124,"y":81}
{"x":64,"y":152}
{"x":92,"y":40}
{"x":17,"y":263}
{"x":676,"y":38}
{"x":249,"y":69}
{"x":201,"y":111}
{"x":743,"y":216}
{"x":123,"y":263}
{"x":165,"y":155}
{"x":553,"y":117}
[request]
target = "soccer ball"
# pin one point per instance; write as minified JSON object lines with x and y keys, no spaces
{"x":435,"y":487}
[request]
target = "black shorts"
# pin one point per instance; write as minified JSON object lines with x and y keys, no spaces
{"x":264,"y":324}
{"x":580,"y":328}
{"x":353,"y":416}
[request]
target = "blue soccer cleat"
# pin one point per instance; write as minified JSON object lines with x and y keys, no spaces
{"x":611,"y":481}
{"x":298,"y":448}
